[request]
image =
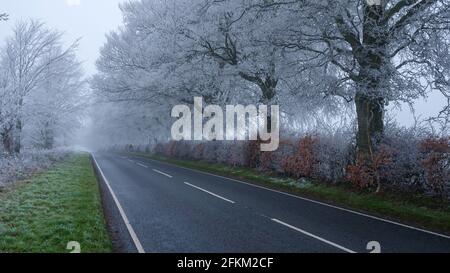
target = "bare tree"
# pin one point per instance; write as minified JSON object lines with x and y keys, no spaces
{"x":26,"y":59}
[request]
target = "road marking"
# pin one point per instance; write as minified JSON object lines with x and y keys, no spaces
{"x":208,"y":192}
{"x":130,"y":160}
{"x":142,"y":165}
{"x":313,"y":236}
{"x":133,"y":235}
{"x":309,"y":200}
{"x":160,"y":172}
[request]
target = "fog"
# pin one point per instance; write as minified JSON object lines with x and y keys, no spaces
{"x":134,"y":69}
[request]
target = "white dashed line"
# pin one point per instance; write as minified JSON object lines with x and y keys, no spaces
{"x":310,"y":200}
{"x":314,"y":236}
{"x":162,"y":173}
{"x":208,"y":192}
{"x":142,"y":165}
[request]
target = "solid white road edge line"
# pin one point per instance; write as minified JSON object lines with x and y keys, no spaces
{"x":310,"y":200}
{"x":133,"y":235}
{"x":162,"y":173}
{"x":313,"y":236}
{"x":208,"y":192}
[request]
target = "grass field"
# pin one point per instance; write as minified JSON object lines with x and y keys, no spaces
{"x":54,"y":208}
{"x":411,"y":209}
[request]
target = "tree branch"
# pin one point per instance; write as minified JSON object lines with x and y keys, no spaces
{"x":3,"y":17}
{"x":396,"y":9}
{"x":413,"y":11}
{"x":348,"y":35}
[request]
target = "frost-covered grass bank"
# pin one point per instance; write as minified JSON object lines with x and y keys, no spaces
{"x":46,"y":212}
{"x":28,"y":163}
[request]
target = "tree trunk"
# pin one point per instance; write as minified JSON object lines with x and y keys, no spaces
{"x":48,"y":136}
{"x":369,"y":100}
{"x":370,"y":115}
{"x":17,"y":137}
{"x":268,"y":88}
{"x":7,"y":140}
{"x":269,"y":122}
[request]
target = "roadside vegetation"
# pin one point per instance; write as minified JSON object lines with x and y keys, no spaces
{"x":415,"y":209}
{"x":28,"y":163}
{"x":58,"y":206}
{"x":343,"y":85}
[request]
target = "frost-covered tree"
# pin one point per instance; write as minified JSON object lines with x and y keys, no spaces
{"x":374,"y":51}
{"x":233,"y":36}
{"x":7,"y":111}
{"x":294,"y":53}
{"x":146,"y":65}
{"x":167,"y":52}
{"x":54,"y":109}
{"x":147,"y":60}
{"x":33,"y":57}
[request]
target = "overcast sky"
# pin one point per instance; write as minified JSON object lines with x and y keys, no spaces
{"x":88,"y":19}
{"x":92,"y":19}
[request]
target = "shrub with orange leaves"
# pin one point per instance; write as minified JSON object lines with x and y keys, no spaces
{"x":171,"y":149}
{"x":302,"y":163}
{"x":436,"y":162}
{"x":252,"y":154}
{"x":266,"y":161}
{"x":360,"y":174}
{"x":369,"y":172}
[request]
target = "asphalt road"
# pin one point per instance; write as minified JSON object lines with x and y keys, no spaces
{"x":172,"y":209}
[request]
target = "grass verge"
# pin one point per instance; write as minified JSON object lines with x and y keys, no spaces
{"x":45,"y":213}
{"x":410,"y":209}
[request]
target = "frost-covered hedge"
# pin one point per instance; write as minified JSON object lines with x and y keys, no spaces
{"x":13,"y":168}
{"x":405,"y":161}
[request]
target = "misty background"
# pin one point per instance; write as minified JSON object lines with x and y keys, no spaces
{"x":92,"y":20}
